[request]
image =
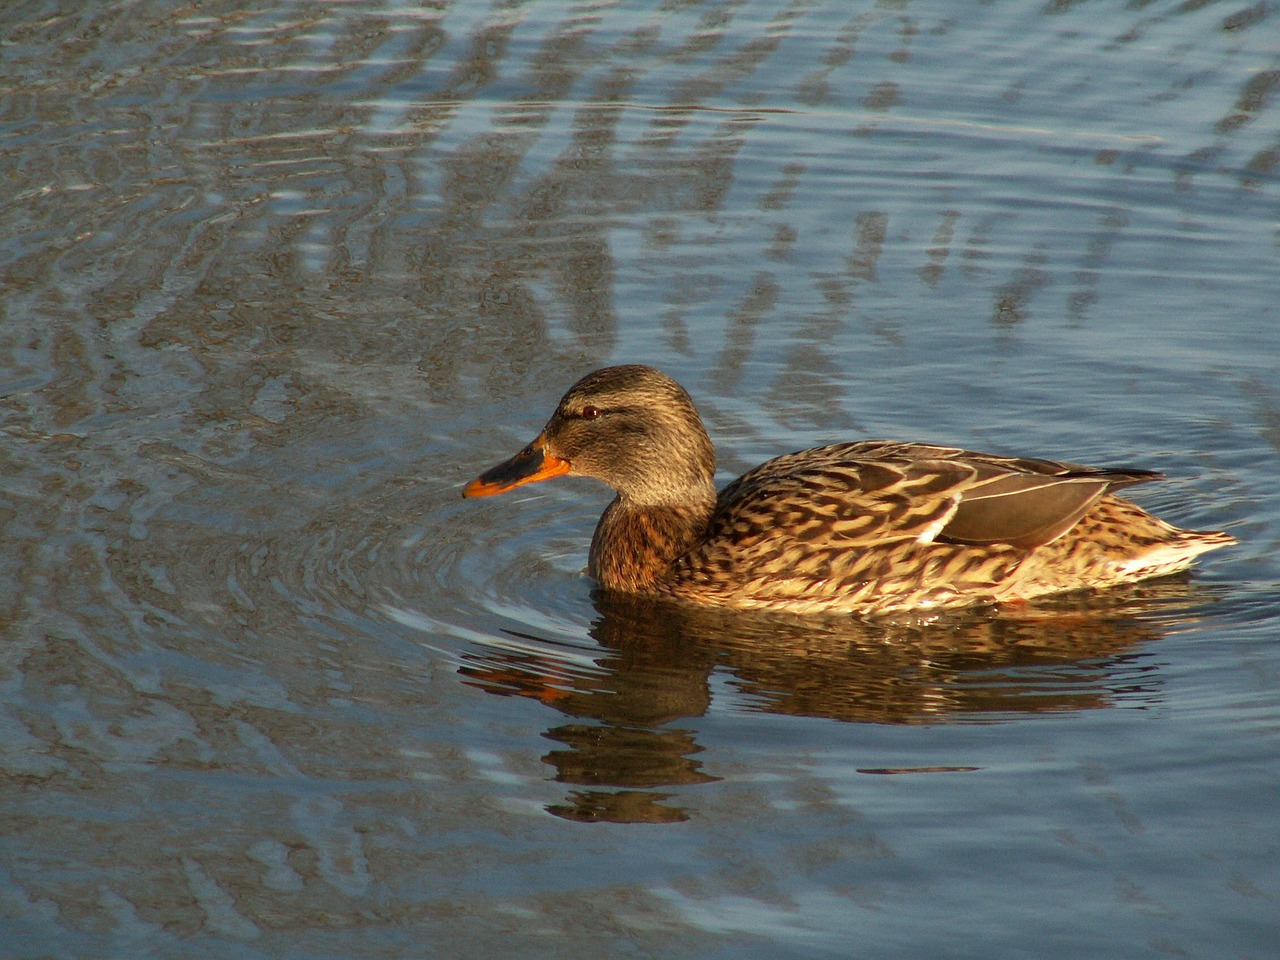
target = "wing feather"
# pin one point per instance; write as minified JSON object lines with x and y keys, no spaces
{"x":858,"y":495}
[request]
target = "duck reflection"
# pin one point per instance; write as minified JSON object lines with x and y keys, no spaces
{"x":658,"y":659}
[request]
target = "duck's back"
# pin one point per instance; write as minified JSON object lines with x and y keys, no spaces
{"x":875,"y":526}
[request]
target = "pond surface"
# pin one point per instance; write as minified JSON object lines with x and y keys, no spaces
{"x":277,"y":279}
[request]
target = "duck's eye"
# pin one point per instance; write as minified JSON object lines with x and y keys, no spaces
{"x":590,"y":413}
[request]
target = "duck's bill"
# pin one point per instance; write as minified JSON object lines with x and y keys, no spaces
{"x":530,"y":465}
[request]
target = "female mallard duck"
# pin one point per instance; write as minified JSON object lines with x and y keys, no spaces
{"x":867,"y":527}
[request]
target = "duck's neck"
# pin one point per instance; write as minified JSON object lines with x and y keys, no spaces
{"x":635,"y":544}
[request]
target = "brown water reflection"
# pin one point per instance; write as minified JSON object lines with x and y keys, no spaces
{"x":658,"y":658}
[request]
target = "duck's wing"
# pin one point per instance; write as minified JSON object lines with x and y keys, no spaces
{"x":877,"y":492}
{"x":1026,"y":510}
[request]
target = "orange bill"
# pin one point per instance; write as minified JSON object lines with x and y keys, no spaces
{"x":530,"y":465}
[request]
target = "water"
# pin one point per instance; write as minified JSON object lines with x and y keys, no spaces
{"x":276,"y":281}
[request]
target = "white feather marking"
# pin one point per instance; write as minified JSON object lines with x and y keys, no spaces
{"x":929,"y":533}
{"x":1169,"y":558}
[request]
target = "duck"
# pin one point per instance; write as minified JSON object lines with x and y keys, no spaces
{"x":864,"y":527}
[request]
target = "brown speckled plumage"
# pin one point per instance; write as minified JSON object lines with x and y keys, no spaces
{"x":866,"y":527}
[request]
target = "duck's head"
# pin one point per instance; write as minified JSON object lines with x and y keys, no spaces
{"x":632,"y":427}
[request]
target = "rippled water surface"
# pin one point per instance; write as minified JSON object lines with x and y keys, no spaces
{"x":277,"y":279}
